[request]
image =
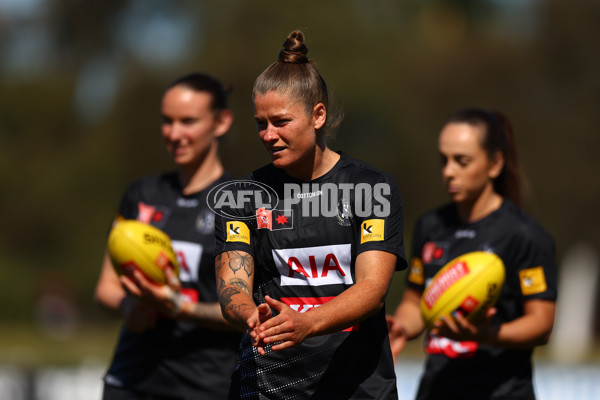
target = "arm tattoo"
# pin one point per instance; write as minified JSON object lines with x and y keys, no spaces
{"x":238,"y":260}
{"x":238,"y":308}
{"x":226,"y":296}
{"x":219,"y":262}
{"x":241,"y":284}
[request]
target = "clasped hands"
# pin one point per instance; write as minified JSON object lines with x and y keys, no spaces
{"x":282,"y":329}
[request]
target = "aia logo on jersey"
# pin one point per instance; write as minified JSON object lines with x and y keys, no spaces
{"x":450,"y":348}
{"x":434,"y":253}
{"x":314,"y":266}
{"x":274,"y":219}
{"x":304,"y":304}
{"x":154,"y":215}
{"x":189,"y":256}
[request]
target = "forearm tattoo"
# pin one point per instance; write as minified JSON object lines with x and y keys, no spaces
{"x":226,"y":296}
{"x":226,"y":301}
{"x":234,"y":286}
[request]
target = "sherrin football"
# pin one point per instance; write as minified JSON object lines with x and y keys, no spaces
{"x":136,"y":245}
{"x":470,"y":284}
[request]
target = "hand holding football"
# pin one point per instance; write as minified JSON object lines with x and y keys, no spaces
{"x":470,"y":284}
{"x":136,"y":245}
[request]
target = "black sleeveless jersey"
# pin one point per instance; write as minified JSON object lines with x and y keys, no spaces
{"x":304,"y":254}
{"x":177,"y":358}
{"x":468,"y":370}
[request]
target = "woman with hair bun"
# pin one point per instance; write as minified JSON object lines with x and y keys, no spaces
{"x":306,"y":279}
{"x":490,"y":360}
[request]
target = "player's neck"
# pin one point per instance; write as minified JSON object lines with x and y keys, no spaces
{"x":485,"y":204}
{"x":196,"y":178}
{"x":315,"y":165}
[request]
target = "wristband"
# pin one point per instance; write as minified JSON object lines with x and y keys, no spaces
{"x":176,"y":301}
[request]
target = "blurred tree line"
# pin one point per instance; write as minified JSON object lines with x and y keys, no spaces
{"x":81,"y":82}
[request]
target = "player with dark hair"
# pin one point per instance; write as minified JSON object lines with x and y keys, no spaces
{"x":491,"y":359}
{"x":175,"y":344}
{"x":307,"y":280}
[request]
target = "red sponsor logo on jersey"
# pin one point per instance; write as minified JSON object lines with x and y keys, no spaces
{"x":431,"y":252}
{"x":182,"y":261}
{"x":190,"y":295}
{"x":304,"y":304}
{"x":274,"y":219}
{"x":151,"y":214}
{"x":450,"y":348}
{"x":314,"y":266}
{"x":145,"y":212}
{"x":443,"y":282}
{"x":330,"y":263}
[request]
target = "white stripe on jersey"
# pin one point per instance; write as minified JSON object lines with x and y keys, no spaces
{"x":189,"y":255}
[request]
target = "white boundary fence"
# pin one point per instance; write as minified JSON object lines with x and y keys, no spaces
{"x":553,"y":381}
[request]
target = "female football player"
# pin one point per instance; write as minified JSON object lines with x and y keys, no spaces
{"x":307,"y":280}
{"x":175,"y":343}
{"x":491,"y":359}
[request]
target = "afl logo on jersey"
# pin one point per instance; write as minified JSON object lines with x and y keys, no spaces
{"x":230,"y":199}
{"x":205,"y":222}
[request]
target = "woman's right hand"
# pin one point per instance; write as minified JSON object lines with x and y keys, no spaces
{"x":262,"y":313}
{"x":397,"y":334}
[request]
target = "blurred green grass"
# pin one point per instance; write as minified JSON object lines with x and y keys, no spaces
{"x":27,"y":346}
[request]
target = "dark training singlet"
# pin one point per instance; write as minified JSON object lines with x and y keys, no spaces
{"x":177,"y":358}
{"x":468,"y":370}
{"x":305,"y":259}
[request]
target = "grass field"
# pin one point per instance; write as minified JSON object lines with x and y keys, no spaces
{"x":27,"y":346}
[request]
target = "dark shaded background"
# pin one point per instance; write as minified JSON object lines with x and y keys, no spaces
{"x":80,"y":86}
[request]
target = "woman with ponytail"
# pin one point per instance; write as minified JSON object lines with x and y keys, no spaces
{"x":306,"y":279}
{"x":490,"y":360}
{"x":174,"y":343}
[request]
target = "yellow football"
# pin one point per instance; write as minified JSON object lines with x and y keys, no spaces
{"x":135,"y":245}
{"x":470,"y":284}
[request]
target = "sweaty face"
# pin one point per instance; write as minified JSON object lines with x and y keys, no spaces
{"x":286,"y":130}
{"x":466,"y":168}
{"x":188,"y":125}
